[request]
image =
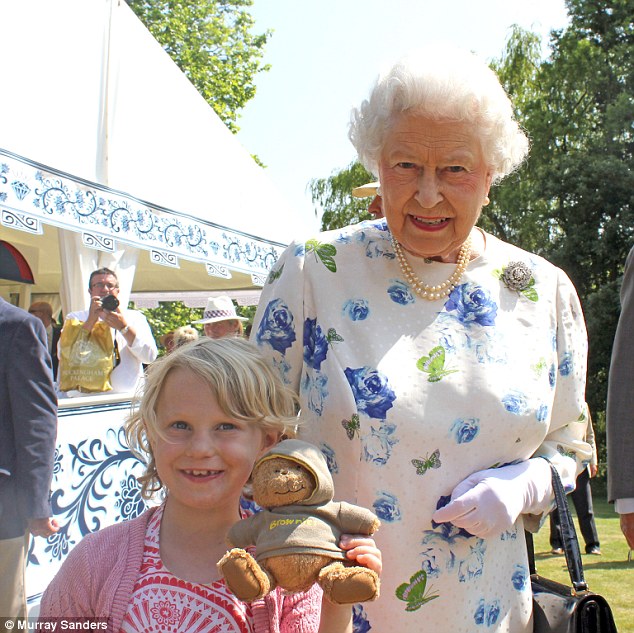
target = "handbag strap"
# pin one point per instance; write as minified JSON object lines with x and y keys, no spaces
{"x":568,"y":537}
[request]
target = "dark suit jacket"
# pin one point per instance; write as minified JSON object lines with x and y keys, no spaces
{"x":57,"y":331}
{"x":620,"y":409}
{"x":28,"y":421}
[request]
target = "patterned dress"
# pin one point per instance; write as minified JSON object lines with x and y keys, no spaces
{"x":162,"y":602}
{"x":407,"y":397}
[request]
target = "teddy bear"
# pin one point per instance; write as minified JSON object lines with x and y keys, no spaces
{"x":296,"y":535}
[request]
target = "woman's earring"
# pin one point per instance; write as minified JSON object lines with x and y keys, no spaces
{"x":486,"y":201}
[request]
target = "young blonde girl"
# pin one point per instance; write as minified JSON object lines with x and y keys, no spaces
{"x":210,"y":409}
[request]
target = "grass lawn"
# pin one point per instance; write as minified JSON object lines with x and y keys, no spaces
{"x":610,"y":574}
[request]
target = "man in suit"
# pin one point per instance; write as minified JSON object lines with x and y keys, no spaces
{"x":44,"y":312}
{"x":28,"y":428}
{"x":620,"y":409}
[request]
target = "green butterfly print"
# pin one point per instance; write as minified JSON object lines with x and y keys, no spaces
{"x":567,"y":453}
{"x":434,"y":365}
{"x":539,"y":367}
{"x":275,"y":274}
{"x":333,"y":337}
{"x":352,"y":426}
{"x":429,"y":461}
{"x":325,"y":252}
{"x":413,"y":592}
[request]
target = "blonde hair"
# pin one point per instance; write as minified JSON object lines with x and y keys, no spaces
{"x":184,"y":334}
{"x":245,"y":386}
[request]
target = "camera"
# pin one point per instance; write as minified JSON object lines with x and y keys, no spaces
{"x":110,"y":303}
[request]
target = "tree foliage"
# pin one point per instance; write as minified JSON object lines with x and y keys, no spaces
{"x":573,"y":201}
{"x":170,"y":315}
{"x":212,"y":43}
{"x":334,"y":196}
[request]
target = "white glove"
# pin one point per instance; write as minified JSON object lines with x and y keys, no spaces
{"x":489,"y":502}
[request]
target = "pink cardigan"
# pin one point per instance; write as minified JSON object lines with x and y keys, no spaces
{"x":98,"y":576}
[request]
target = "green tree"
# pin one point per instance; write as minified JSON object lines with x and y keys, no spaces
{"x":170,"y":315}
{"x":212,"y":43}
{"x":334,"y":197}
{"x":572,"y":200}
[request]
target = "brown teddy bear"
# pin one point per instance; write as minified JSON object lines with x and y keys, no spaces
{"x":296,"y":536}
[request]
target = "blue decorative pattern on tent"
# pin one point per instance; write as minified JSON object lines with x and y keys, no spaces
{"x":32,"y":194}
{"x":94,"y":485}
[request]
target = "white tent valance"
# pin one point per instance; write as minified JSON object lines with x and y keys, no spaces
{"x":32,"y":194}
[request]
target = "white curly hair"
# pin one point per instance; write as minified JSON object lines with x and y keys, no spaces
{"x":447,"y":84}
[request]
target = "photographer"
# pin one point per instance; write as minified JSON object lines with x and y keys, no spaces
{"x":132,"y":340}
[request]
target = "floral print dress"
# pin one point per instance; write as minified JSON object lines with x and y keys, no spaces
{"x":407,"y":397}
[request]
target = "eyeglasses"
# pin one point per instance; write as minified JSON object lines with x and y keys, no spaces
{"x":105,"y":285}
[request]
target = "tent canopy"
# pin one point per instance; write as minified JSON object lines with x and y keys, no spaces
{"x":107,"y":147}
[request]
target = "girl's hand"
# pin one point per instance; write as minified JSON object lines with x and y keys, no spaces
{"x":362,"y":550}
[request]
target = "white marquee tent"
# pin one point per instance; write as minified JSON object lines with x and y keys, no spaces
{"x":110,"y":157}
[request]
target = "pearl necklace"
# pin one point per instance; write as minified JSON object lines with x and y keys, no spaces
{"x":433,"y":293}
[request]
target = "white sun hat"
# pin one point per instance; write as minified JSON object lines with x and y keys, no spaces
{"x":367,"y":190}
{"x":219,"y":309}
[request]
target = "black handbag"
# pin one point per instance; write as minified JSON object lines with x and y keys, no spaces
{"x":558,"y":608}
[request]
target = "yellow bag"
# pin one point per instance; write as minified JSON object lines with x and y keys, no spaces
{"x":86,"y":358}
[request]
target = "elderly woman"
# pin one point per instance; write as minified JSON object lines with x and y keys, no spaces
{"x":436,"y":365}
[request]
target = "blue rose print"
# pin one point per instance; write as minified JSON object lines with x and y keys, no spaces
{"x":509,"y":535}
{"x":400,"y":293}
{"x":515,"y":402}
{"x":478,"y":616}
{"x":519,"y":578}
{"x":377,"y":447}
{"x":487,"y":614}
{"x":447,"y":531}
{"x":386,"y":507}
{"x":565,"y":366}
{"x":315,"y":344}
{"x":360,"y":622}
{"x":465,"y":430}
{"x":472,"y":304}
{"x":471,"y":567}
{"x":371,"y":391}
{"x":552,"y":375}
{"x":315,"y":389}
{"x":542,"y":413}
{"x":379,"y":248}
{"x":276,"y":327}
{"x":331,"y":458}
{"x":431,"y":562}
{"x":356,"y":309}
{"x":248,"y":507}
{"x":283,"y":368}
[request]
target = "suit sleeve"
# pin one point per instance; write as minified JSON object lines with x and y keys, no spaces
{"x":620,"y":407}
{"x":34,"y":413}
